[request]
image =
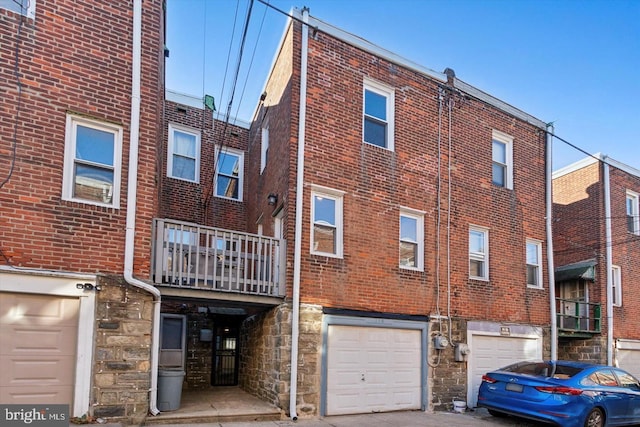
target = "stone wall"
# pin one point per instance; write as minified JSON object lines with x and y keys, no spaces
{"x":447,"y":378}
{"x":121,"y":374}
{"x":592,"y":350}
{"x":265,"y":367}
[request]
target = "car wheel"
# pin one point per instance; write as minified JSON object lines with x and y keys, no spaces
{"x":497,"y":413}
{"x":595,"y":418}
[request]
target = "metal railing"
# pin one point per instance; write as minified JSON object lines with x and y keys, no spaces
{"x":193,"y":256}
{"x":578,"y":316}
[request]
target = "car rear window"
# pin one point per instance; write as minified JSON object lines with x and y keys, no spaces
{"x":543,"y":369}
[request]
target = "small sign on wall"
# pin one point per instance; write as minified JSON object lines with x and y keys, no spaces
{"x":505,"y":331}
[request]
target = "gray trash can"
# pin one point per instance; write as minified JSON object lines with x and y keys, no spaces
{"x":169,"y":389}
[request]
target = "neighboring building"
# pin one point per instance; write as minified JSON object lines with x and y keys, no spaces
{"x":73,"y":330}
{"x":597,"y":257}
{"x":379,"y":223}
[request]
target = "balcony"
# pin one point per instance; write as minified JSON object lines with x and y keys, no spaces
{"x":578,"y":319}
{"x":193,"y":257}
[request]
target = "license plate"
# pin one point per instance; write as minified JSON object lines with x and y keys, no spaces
{"x":514,"y":387}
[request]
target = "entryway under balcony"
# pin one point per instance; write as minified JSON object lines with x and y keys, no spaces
{"x":217,"y":404}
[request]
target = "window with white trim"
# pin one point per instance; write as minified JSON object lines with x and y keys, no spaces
{"x":378,"y":121}
{"x":502,"y":159}
{"x":229,"y":173}
{"x":633,"y":214}
{"x":478,"y":253}
{"x":183,"y":154}
{"x":616,"y":285}
{"x":326,"y":222}
{"x":92,"y":162}
{"x":534,"y":263}
{"x":411,"y":239}
{"x":24,"y":7}
{"x":264,"y":148}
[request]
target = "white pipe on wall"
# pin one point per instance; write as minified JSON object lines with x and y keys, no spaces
{"x":550,"y":263}
{"x":609,"y":260}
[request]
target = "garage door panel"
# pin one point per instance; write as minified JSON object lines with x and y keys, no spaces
{"x":384,"y":374}
{"x":629,"y":360}
{"x":489,"y":353}
{"x":38,"y":351}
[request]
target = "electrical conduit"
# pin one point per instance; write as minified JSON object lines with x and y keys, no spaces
{"x":295,"y":317}
{"x":609,"y":260}
{"x":550,"y":264}
{"x":132,"y":183}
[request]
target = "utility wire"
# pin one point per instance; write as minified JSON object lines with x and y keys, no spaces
{"x":16,"y":72}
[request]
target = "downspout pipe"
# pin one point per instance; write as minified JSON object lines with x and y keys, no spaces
{"x":295,"y":317}
{"x":551,"y":268}
{"x":132,"y":183}
{"x":609,"y":259}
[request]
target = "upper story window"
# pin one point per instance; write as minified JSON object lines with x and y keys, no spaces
{"x":24,"y":7}
{"x":229,"y":173}
{"x":378,"y":114}
{"x":633,"y":213}
{"x":502,"y":159}
{"x":478,"y":253}
{"x":534,"y":264}
{"x":92,"y":162}
{"x":183,"y":160}
{"x":411,"y":239}
{"x":326,"y":217}
{"x":264,"y":148}
{"x":616,"y":285}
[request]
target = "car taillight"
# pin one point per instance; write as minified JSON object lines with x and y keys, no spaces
{"x":488,"y":379}
{"x":569,"y":391}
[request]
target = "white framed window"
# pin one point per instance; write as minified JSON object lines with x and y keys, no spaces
{"x":92,"y":162}
{"x":411,"y":239}
{"x":378,"y":120}
{"x":616,"y":285}
{"x":229,"y":173}
{"x":264,"y":148}
{"x":183,"y":154}
{"x":326,"y":221}
{"x":534,"y":263}
{"x":502,"y":159}
{"x":24,"y":7}
{"x":633,"y":213}
{"x":478,"y":253}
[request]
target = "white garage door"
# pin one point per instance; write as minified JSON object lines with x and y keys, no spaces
{"x":628,"y":355}
{"x":372,"y":369}
{"x":38,"y":351}
{"x":489,"y":353}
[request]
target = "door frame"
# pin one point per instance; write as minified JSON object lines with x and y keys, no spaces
{"x":65,"y":285}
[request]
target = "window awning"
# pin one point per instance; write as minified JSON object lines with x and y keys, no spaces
{"x":580,"y":270}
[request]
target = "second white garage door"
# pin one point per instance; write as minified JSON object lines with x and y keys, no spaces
{"x":372,"y":369}
{"x":489,"y":353}
{"x":628,"y":355}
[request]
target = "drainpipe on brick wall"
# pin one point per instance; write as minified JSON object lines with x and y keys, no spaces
{"x":295,"y":316}
{"x":134,"y":134}
{"x":609,"y":260}
{"x":550,"y":264}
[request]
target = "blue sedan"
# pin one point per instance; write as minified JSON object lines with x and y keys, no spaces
{"x":563,"y":393}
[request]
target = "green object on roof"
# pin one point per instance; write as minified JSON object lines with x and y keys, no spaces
{"x":209,"y":102}
{"x":580,"y":270}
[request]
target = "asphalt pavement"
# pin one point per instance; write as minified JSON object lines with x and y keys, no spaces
{"x":478,"y":418}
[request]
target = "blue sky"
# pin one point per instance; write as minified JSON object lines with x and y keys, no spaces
{"x":574,"y":63}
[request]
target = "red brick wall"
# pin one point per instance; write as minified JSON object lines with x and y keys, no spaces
{"x":378,"y":182}
{"x":72,"y":60}
{"x":195,"y":202}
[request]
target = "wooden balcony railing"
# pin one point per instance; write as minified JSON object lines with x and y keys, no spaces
{"x":188,"y":255}
{"x":575,"y":316}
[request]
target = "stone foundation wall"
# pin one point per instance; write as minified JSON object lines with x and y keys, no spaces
{"x":447,"y":378}
{"x":121,"y":372}
{"x":265,"y":368}
{"x":591,"y":350}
